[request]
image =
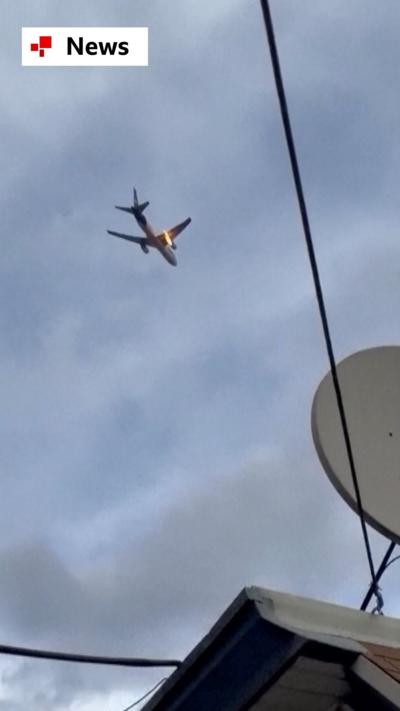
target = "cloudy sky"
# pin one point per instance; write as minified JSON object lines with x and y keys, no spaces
{"x":156,"y":453}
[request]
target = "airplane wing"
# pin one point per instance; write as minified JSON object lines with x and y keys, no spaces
{"x":131,"y":238}
{"x":170,"y":235}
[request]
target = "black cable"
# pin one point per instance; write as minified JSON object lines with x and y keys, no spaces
{"x":87,"y":658}
{"x":314,"y":268}
{"x":397,"y":557}
{"x":383,"y":566}
{"x":142,"y":698}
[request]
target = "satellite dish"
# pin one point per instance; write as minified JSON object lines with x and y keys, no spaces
{"x":370,"y":386}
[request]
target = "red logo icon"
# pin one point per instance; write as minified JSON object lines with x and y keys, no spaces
{"x":44,"y":43}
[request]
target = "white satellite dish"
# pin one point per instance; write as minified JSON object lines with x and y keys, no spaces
{"x":370,"y":386}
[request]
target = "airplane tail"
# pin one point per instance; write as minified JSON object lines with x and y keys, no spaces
{"x":139,"y":206}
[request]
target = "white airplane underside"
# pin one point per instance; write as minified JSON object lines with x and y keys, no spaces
{"x":164,"y":241}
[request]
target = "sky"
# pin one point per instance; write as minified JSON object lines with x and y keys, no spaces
{"x":156,"y":450}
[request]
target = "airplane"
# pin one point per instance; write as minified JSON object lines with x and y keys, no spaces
{"x":163,"y":241}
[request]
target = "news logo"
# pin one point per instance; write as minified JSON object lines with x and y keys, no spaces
{"x":45,"y":42}
{"x":84,"y":46}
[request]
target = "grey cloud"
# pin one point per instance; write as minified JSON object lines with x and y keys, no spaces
{"x":195,"y":568}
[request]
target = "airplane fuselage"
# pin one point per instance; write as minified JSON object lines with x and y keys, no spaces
{"x":165,"y":249}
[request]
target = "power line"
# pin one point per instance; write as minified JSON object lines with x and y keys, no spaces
{"x":142,"y":698}
{"x":87,"y":658}
{"x":396,"y":558}
{"x":383,"y":566}
{"x":314,"y":268}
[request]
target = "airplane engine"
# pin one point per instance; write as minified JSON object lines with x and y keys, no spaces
{"x":144,"y":248}
{"x":173,"y":245}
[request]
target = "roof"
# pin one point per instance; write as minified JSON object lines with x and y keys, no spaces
{"x":272,"y":651}
{"x":386,"y":658}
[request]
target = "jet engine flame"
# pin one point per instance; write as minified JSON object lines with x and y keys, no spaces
{"x":167,"y":238}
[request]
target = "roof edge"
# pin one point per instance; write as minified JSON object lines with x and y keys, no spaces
{"x":313,"y":619}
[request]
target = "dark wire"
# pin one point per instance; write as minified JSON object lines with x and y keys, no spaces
{"x":314,"y":268}
{"x":382,"y":568}
{"x":397,"y":557}
{"x":87,"y":658}
{"x":142,"y":698}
